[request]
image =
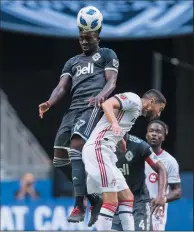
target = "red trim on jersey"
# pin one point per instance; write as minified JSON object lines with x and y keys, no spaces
{"x":99,"y":152}
{"x":160,"y":152}
{"x":149,"y":161}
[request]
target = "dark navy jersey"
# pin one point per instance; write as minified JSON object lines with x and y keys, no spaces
{"x":132,"y":165}
{"x":88,"y":74}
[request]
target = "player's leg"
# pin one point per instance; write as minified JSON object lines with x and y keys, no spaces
{"x":99,"y":168}
{"x":158,"y":223}
{"x":85,"y":121}
{"x":142,"y":216}
{"x":125,"y":202}
{"x":62,"y":144}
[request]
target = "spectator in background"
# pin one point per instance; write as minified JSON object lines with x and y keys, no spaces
{"x":27,"y":190}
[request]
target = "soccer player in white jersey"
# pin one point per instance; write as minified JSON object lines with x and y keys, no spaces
{"x":120,"y":113}
{"x":156,"y":132}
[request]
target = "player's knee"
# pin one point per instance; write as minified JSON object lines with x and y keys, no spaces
{"x":60,"y":162}
{"x":77,"y":142}
{"x":110,"y":198}
{"x":61,"y":153}
{"x":125,"y":195}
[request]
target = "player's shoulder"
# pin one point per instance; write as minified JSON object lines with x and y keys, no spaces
{"x":168,"y":158}
{"x":132,"y":96}
{"x":73,"y":59}
{"x":140,"y":143}
{"x":134,"y":139}
{"x":107,"y":52}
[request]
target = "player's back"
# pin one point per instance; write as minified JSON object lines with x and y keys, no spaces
{"x":88,"y":74}
{"x":132,"y":165}
{"x":126,"y":119}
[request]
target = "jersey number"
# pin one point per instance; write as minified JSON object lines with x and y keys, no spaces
{"x":142,"y":225}
{"x":79,"y":124}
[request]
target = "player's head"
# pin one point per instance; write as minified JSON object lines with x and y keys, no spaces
{"x":89,"y":40}
{"x":153,"y":104}
{"x":156,"y":132}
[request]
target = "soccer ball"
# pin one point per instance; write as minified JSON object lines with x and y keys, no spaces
{"x":89,"y":18}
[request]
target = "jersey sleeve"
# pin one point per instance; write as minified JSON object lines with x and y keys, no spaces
{"x":111,"y":61}
{"x":129,"y":101}
{"x":147,"y":153}
{"x":67,"y":69}
{"x":173,"y":172}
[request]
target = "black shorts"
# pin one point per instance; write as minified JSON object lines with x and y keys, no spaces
{"x":142,"y":218}
{"x":77,"y":121}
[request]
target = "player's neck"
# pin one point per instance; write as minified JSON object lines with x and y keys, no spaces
{"x":92,"y":52}
{"x":157,"y":150}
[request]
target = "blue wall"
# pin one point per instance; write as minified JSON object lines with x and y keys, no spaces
{"x":50,"y":214}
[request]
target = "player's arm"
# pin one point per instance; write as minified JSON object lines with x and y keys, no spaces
{"x":174,"y":182}
{"x":61,"y":89}
{"x":125,"y":101}
{"x":111,"y":72}
{"x":160,"y":169}
{"x":175,"y":192}
{"x":108,"y":107}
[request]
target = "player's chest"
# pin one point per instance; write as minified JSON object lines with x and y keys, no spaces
{"x":87,"y":66}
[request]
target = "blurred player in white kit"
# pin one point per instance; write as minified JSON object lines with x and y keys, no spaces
{"x":156,"y":132}
{"x":120,"y":113}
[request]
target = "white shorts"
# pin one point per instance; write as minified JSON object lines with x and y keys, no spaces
{"x":158,"y":223}
{"x":101,"y":170}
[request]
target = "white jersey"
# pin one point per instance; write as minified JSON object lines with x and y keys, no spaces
{"x":131,"y":108}
{"x":172,"y":168}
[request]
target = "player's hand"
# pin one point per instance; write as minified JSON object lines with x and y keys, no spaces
{"x":96,"y":101}
{"x":158,"y":205}
{"x":122,"y":146}
{"x":116,"y":129}
{"x":44,"y":107}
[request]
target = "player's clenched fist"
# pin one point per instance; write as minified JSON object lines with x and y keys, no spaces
{"x":44,"y":107}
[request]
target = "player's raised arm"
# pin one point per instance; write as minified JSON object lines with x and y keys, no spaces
{"x":111,"y":72}
{"x":158,"y":202}
{"x":61,"y":89}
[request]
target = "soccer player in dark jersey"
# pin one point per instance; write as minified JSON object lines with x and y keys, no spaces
{"x":132,"y":164}
{"x":91,"y":76}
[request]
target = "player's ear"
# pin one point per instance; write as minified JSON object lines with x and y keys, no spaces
{"x":147,"y":135}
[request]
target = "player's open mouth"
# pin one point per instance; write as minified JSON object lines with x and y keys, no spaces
{"x":85,"y":47}
{"x":153,"y":140}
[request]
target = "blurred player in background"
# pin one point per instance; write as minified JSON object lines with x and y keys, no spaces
{"x":91,"y":76}
{"x":156,"y":133}
{"x":120,"y":113}
{"x":132,"y":164}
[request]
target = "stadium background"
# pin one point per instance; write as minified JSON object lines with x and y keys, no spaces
{"x":30,"y":68}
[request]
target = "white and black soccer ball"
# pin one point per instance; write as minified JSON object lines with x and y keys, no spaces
{"x":89,"y":18}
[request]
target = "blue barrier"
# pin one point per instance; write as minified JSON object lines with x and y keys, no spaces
{"x":39,"y":215}
{"x":51,"y":214}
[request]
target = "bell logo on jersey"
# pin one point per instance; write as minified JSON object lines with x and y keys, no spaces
{"x":153,"y":178}
{"x":125,"y":169}
{"x":85,"y":70}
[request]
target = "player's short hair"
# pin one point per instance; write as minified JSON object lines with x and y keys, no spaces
{"x":156,"y":94}
{"x":163,"y":124}
{"x":97,"y":31}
